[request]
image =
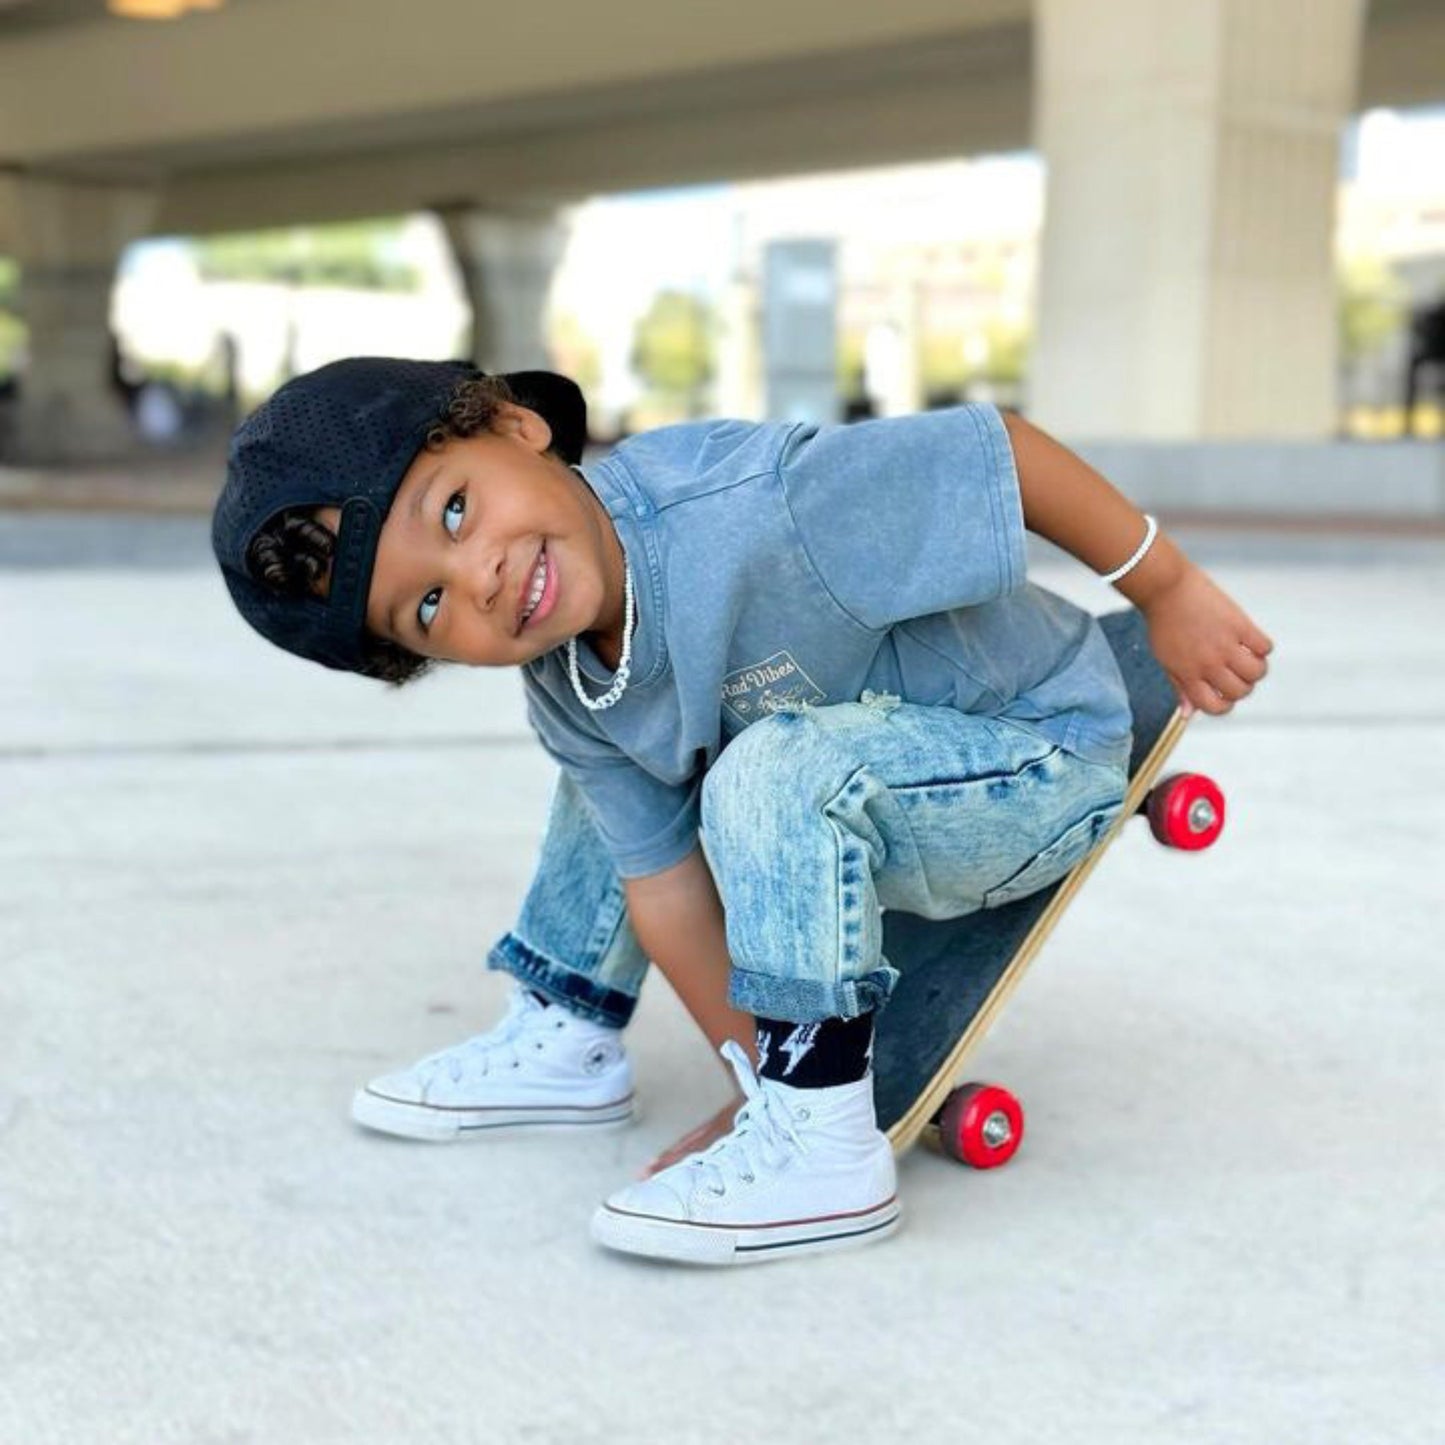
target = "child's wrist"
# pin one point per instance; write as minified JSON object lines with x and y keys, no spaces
{"x":1158,"y":573}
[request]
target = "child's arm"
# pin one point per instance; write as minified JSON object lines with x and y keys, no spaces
{"x":1211,"y":650}
{"x":679,"y":921}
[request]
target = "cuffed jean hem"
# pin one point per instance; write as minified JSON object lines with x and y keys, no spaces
{"x":803,"y":1001}
{"x":577,"y":993}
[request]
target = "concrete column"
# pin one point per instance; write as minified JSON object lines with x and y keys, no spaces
{"x":506,"y":261}
{"x":1187,"y":285}
{"x":68,"y":239}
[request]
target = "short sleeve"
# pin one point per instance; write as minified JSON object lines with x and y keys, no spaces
{"x":645,"y":824}
{"x":908,"y":516}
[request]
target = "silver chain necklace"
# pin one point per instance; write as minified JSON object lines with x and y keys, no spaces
{"x":624,"y":667}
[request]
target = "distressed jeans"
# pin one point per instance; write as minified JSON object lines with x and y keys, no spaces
{"x":814,"y":822}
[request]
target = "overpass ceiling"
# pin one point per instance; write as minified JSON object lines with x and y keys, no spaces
{"x":82,"y":92}
{"x":22,"y":17}
{"x":296,"y":88}
{"x":939,"y":61}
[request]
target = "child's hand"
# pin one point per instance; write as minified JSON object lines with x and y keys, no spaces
{"x":706,"y":1133}
{"x":1211,"y":650}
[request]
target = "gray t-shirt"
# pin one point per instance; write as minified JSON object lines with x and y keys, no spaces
{"x":786,"y":564}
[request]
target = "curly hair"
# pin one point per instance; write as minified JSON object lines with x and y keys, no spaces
{"x":291,"y":554}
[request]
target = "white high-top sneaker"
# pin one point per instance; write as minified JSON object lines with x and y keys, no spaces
{"x":539,"y":1065}
{"x":804,"y":1170}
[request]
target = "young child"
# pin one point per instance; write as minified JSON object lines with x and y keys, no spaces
{"x":793,"y":676}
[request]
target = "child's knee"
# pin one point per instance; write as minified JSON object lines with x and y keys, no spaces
{"x":760,"y":765}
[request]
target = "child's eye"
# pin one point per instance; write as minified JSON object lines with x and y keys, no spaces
{"x":427,"y":611}
{"x":454,"y":511}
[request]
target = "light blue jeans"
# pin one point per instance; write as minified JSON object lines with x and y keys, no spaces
{"x":814,"y":821}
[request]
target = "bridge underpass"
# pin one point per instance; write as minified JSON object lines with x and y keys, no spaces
{"x":1186,"y":288}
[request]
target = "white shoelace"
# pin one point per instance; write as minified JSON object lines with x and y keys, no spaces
{"x":763,"y":1132}
{"x":499,"y":1045}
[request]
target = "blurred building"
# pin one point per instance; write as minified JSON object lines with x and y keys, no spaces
{"x":1183,"y":281}
{"x":937,"y":269}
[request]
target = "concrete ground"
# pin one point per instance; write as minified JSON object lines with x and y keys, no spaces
{"x":232,"y":887}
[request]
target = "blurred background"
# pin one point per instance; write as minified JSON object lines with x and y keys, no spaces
{"x":1156,"y":230}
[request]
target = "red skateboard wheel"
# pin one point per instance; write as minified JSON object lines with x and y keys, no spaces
{"x":982,"y":1125}
{"x":1186,"y":811}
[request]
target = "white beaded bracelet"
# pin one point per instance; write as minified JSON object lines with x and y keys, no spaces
{"x":1150,"y":532}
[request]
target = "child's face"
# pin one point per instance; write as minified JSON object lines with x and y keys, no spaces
{"x":460,"y":548}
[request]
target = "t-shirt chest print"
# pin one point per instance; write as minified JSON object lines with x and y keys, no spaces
{"x":770,"y":686}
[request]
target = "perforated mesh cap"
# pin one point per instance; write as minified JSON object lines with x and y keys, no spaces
{"x":343,"y":436}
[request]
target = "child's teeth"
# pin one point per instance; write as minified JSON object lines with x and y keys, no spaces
{"x":539,"y":581}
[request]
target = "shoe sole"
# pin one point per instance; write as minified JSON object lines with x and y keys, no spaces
{"x":444,"y":1125}
{"x":752,"y":1244}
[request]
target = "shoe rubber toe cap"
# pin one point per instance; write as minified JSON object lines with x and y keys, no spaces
{"x":403,"y":1088}
{"x":652,"y":1198}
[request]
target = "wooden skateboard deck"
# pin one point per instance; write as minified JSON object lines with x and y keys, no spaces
{"x":956,"y":974}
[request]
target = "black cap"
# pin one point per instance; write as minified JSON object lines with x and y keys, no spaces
{"x":343,"y":436}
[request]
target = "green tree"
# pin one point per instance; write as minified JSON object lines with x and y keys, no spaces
{"x":849,"y":365}
{"x":1008,"y":350}
{"x":673,"y":346}
{"x":12,"y":329}
{"x":1372,"y":305}
{"x":1002,"y":359}
{"x":12,"y":340}
{"x":575,"y":352}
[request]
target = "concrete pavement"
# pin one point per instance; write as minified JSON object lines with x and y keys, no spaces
{"x":232,"y":887}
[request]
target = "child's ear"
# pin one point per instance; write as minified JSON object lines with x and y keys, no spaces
{"x":523,"y":423}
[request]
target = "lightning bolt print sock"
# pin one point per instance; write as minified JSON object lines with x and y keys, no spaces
{"x":815,"y":1055}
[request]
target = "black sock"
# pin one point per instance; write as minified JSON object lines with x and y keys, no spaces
{"x":815,"y":1056}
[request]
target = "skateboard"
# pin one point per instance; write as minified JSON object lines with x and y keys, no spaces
{"x":960,"y":972}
